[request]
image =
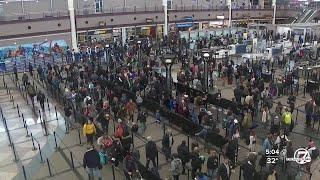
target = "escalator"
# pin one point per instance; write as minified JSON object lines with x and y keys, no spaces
{"x":305,"y":16}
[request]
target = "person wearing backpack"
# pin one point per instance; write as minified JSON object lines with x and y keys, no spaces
{"x":89,"y":130}
{"x":31,"y":92}
{"x":184,"y":154}
{"x":176,"y":167}
{"x":287,"y":120}
{"x":129,"y":166}
{"x":281,"y":141}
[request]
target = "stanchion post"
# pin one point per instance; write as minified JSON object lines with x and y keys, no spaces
{"x":297,"y":117}
{"x":240,"y":173}
{"x":26,"y":126}
{"x":113,"y":174}
{"x":55,"y":139}
{"x":55,"y":108}
{"x":72,"y":162}
{"x":48,"y":104}
{"x":6,"y":128}
{"x":24,"y":172}
{"x":67,"y":127}
{"x":18,"y":109}
{"x":79,"y":135}
{"x":49,"y":168}
{"x":16,"y":159}
{"x":132,"y":140}
{"x":32,"y":140}
{"x":12,"y":101}
{"x":40,"y":153}
{"x":22,"y":117}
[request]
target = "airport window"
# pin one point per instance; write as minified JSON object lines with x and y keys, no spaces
{"x":169,"y":3}
{"x":98,"y":5}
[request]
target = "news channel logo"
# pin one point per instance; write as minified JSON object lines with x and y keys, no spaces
{"x":301,"y":156}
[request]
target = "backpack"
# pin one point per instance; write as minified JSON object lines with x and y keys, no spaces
{"x":287,"y":118}
{"x":247,"y":140}
{"x":315,"y":154}
{"x":119,"y":132}
{"x":155,"y":172}
{"x":139,"y":100}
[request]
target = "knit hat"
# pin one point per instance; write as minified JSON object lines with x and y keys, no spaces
{"x":119,"y":120}
{"x":235,"y":121}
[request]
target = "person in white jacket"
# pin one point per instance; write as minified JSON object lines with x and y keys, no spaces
{"x":252,"y":141}
{"x":265,"y":115}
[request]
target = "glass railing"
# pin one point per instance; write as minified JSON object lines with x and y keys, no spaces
{"x":91,"y":11}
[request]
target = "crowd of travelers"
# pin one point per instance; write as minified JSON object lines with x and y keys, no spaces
{"x":98,"y":90}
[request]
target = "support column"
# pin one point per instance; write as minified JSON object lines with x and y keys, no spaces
{"x":230,"y":13}
{"x":165,"y":8}
{"x":304,"y":35}
{"x":123,"y":35}
{"x":73,"y":27}
{"x":274,"y":4}
{"x":200,"y":26}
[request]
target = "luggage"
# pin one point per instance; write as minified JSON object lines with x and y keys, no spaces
{"x":155,"y":171}
{"x":103,"y":158}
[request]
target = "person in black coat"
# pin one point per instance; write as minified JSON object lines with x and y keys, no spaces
{"x":151,"y":152}
{"x":224,"y":170}
{"x":248,"y":170}
{"x":196,"y":162}
{"x":91,"y":162}
{"x":167,"y":142}
{"x":232,"y":152}
{"x":41,"y":98}
{"x":184,"y":154}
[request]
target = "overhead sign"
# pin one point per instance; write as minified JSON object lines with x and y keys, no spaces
{"x":149,"y":20}
{"x":215,"y":23}
{"x":184,"y":25}
{"x":220,"y":17}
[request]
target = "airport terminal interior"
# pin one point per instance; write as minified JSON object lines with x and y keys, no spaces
{"x":159,"y":89}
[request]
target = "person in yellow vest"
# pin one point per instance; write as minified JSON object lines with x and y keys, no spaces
{"x":89,"y":130}
{"x":287,"y":120}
